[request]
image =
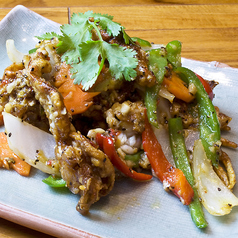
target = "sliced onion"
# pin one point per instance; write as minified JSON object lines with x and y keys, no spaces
{"x":191,"y":135}
{"x":163,"y":111}
{"x":13,"y":54}
{"x":216,"y":197}
{"x":33,"y":145}
{"x":162,"y":136}
{"x":163,"y":92}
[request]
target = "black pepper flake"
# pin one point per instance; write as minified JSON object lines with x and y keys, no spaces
{"x":171,"y":168}
{"x":32,"y":69}
{"x":72,"y":110}
{"x":219,"y":189}
{"x":104,"y":160}
{"x":5,"y":133}
{"x":230,"y":205}
{"x":11,"y":161}
{"x":10,"y":134}
{"x":66,"y":76}
{"x":53,"y":48}
{"x":37,"y":151}
{"x":36,"y":161}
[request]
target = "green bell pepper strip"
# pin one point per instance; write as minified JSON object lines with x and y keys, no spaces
{"x":181,"y":160}
{"x":171,"y":177}
{"x":173,"y":49}
{"x":209,"y":126}
{"x":32,"y":51}
{"x":157,"y":64}
{"x":141,"y":42}
{"x":134,"y":158}
{"x":54,"y":182}
{"x":151,"y":101}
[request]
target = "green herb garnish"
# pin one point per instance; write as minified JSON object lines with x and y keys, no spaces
{"x":87,"y":56}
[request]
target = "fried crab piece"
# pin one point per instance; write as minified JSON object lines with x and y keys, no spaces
{"x":18,"y":99}
{"x":86,"y":170}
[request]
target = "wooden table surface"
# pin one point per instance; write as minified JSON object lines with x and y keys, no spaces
{"x":208,"y":31}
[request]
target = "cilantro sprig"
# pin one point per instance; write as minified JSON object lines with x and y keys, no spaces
{"x":87,"y":56}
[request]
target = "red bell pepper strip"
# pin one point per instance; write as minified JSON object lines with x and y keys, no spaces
{"x":206,"y":86}
{"x":171,"y":177}
{"x":106,"y":143}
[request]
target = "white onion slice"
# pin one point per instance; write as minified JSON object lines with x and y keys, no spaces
{"x":13,"y":54}
{"x":33,"y":145}
{"x":163,"y":92}
{"x":216,"y":197}
{"x":191,"y":135}
{"x":162,"y":136}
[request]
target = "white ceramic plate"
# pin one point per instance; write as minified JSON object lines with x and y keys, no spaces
{"x":132,"y":209}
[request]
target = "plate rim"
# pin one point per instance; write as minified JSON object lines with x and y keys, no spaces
{"x":32,"y":220}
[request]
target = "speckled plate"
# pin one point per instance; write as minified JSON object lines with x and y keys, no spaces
{"x":132,"y":209}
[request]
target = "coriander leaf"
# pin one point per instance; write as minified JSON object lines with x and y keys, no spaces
{"x":86,"y":55}
{"x":69,"y":49}
{"x":122,"y":61}
{"x":79,"y":29}
{"x":127,"y":38}
{"x":47,"y":36}
{"x":71,"y":56}
{"x":73,"y":35}
{"x":87,"y":71}
{"x":106,"y":23}
{"x":80,"y":18}
{"x":103,"y":20}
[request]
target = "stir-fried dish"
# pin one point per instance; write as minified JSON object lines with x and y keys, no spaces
{"x":100,"y":101}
